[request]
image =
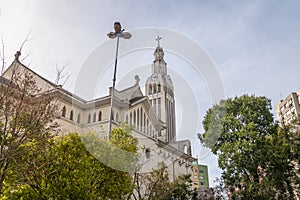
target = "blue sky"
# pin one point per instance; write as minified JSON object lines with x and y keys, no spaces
{"x":254,"y":45}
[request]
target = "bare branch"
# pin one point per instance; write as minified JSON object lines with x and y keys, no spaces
{"x":27,"y":39}
{"x":26,"y":56}
{"x":2,"y":55}
{"x":61,"y":76}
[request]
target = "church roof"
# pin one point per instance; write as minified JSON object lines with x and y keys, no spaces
{"x":137,"y":99}
{"x":17,"y":62}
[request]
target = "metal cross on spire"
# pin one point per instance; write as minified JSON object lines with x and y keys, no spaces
{"x":157,"y":39}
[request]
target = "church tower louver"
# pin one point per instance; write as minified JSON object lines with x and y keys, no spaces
{"x":160,"y":91}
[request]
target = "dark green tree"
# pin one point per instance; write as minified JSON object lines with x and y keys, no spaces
{"x":182,"y":188}
{"x":254,"y":159}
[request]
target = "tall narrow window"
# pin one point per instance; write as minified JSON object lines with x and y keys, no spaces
{"x":150,"y":89}
{"x":158,"y":88}
{"x":117,"y":117}
{"x":159,"y":108}
{"x":144,"y":128}
{"x":147,"y":126}
{"x":138,"y":118}
{"x":71,"y":115}
{"x":63,"y":112}
{"x":134,"y":118}
{"x":89,"y":119}
{"x":100,"y":116}
{"x":78,"y":118}
{"x":126,"y":118}
{"x":130,"y":119}
{"x":141,"y":122}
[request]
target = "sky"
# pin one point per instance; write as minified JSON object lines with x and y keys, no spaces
{"x":254,"y":47}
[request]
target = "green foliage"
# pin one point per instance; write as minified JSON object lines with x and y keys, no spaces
{"x":66,"y":170}
{"x":182,"y":188}
{"x":252,"y":153}
{"x":119,"y":153}
{"x":157,"y":185}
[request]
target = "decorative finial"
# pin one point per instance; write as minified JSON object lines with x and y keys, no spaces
{"x":157,"y":39}
{"x":137,"y":79}
{"x":17,"y":55}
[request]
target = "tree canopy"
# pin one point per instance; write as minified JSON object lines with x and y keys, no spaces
{"x":66,"y":170}
{"x":252,"y":153}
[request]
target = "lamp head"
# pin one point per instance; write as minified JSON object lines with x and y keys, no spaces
{"x":117,"y":27}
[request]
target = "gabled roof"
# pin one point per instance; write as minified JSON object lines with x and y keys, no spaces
{"x":18,"y":63}
{"x":130,"y":93}
{"x":137,"y":99}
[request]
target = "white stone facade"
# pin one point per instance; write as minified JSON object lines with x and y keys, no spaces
{"x":153,"y":122}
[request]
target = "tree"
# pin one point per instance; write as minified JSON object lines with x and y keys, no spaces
{"x":182,"y":188}
{"x":220,"y":189}
{"x":157,"y":185}
{"x":287,"y":146}
{"x":243,"y":133}
{"x":68,"y":171}
{"x":152,"y":185}
{"x":27,"y":114}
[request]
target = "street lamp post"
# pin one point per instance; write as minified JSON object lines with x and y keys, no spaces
{"x":119,"y":33}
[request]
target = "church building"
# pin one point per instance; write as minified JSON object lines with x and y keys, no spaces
{"x":152,"y":115}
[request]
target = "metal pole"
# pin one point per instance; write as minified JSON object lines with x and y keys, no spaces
{"x":113,"y":89}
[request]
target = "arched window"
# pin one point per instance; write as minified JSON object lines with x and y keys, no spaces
{"x":71,"y":115}
{"x":78,"y":118}
{"x":130,"y":118}
{"x":100,"y":116}
{"x":144,"y":128}
{"x":89,"y":119}
{"x":63,"y":112}
{"x":134,"y":118}
{"x":94,"y":117}
{"x":150,"y":88}
{"x":141,"y":122}
{"x":158,"y":88}
{"x":147,"y":126}
{"x":138,"y":118}
{"x":154,"y":88}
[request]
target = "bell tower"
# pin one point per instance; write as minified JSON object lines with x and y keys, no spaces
{"x":160,"y":91}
